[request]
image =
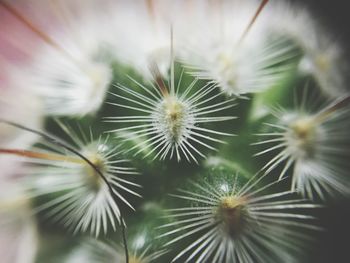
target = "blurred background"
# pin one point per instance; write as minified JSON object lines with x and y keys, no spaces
{"x":333,"y":246}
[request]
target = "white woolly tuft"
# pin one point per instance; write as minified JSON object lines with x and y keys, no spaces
{"x":232,"y":223}
{"x":77,"y":196}
{"x":313,"y":143}
{"x":169,"y":121}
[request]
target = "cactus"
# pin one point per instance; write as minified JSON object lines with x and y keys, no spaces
{"x":169,"y":131}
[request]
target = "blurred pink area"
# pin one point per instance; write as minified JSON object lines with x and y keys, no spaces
{"x":17,"y":102}
{"x":48,"y":43}
{"x":27,"y":30}
{"x":18,"y":42}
